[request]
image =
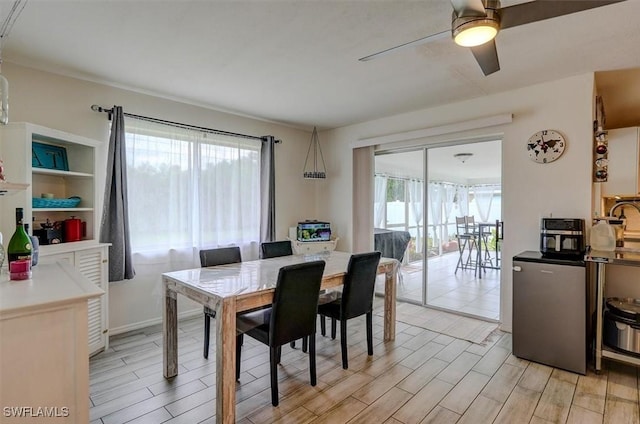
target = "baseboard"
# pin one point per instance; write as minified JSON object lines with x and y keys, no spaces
{"x":148,"y":323}
{"x":505,"y":328}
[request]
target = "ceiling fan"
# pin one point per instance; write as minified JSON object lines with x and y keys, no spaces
{"x":475,"y":23}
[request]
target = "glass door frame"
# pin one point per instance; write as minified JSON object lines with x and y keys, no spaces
{"x":443,"y":228}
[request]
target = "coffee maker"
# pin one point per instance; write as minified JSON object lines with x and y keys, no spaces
{"x":562,"y":237}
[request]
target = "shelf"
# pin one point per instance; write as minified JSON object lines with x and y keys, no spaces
{"x":619,"y":356}
{"x":10,"y":188}
{"x":62,"y":209}
{"x":58,"y":173}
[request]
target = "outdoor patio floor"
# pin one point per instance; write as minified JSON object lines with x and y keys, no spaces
{"x":462,"y":292}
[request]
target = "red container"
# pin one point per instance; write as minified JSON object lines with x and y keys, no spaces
{"x":72,"y":229}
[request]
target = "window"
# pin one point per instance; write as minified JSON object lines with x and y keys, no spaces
{"x":189,"y":190}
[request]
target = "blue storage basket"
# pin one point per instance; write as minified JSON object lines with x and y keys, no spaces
{"x":40,"y":202}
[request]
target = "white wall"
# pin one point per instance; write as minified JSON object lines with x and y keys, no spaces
{"x":64,"y":103}
{"x":529,"y":190}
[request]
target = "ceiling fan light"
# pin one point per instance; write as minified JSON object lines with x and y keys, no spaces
{"x":463,"y":157}
{"x":475,"y":33}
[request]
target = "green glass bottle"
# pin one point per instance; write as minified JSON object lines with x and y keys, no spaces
{"x":19,"y":251}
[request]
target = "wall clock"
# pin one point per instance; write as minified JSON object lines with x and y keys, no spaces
{"x":546,"y":146}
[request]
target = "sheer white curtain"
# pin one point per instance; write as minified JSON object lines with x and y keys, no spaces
{"x":436,"y":191}
{"x":189,"y":190}
{"x":379,"y":200}
{"x":416,"y":194}
{"x":448,"y":199}
{"x":463,"y":200}
{"x":483,"y":196}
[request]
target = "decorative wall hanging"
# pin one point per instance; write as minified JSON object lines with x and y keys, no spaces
{"x":601,"y":145}
{"x":315,"y":172}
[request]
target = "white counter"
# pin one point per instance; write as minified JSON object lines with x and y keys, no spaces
{"x":52,"y":284}
{"x":44,"y":358}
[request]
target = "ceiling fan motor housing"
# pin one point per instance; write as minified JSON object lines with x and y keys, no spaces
{"x":491,"y":18}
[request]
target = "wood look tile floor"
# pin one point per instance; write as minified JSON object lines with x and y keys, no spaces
{"x":422,"y":377}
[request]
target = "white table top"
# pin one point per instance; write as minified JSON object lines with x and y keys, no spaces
{"x":51,"y":284}
{"x":251,"y":276}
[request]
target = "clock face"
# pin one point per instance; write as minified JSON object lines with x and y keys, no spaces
{"x":545,"y":146}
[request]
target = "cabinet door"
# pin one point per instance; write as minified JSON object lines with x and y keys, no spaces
{"x":623,"y":162}
{"x":57,"y":257}
{"x":92,"y":264}
{"x":45,"y":364}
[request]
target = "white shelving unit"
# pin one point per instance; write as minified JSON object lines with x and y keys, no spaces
{"x":88,"y":256}
{"x":601,"y":259}
{"x":80,"y":180}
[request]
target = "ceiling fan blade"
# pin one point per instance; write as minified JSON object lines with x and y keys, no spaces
{"x":468,"y":7}
{"x":418,"y":42}
{"x":487,"y":57}
{"x":539,"y":10}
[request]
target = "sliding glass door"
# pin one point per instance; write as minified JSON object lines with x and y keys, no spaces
{"x":418,"y":196}
{"x":399,"y":217}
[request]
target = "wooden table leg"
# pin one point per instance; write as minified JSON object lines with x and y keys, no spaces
{"x":169,"y":332}
{"x":390,"y":302}
{"x":226,"y":361}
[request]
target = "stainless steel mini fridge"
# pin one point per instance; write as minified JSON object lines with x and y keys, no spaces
{"x":550,"y":311}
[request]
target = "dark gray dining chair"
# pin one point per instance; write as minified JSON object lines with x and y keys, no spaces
{"x":274,"y":249}
{"x":291,"y":316}
{"x":356,"y":300}
{"x":213,"y":257}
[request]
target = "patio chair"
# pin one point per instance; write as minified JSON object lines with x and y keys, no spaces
{"x":467,"y":241}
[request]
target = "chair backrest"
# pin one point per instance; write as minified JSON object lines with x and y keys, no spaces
{"x":220,"y":256}
{"x":461,"y":225}
{"x":295,"y":302}
{"x":359,"y":284}
{"x":273,"y":249}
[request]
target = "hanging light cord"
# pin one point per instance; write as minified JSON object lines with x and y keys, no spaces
{"x":315,"y":145}
{"x":7,"y":25}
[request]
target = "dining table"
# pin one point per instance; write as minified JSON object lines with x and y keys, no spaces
{"x":234,"y":288}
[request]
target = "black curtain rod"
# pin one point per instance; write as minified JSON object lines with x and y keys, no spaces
{"x":97,"y":108}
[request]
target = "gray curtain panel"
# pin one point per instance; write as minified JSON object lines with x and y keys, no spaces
{"x":115,"y":218}
{"x":267,"y":190}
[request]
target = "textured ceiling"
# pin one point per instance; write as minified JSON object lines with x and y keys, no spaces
{"x":295,"y":62}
